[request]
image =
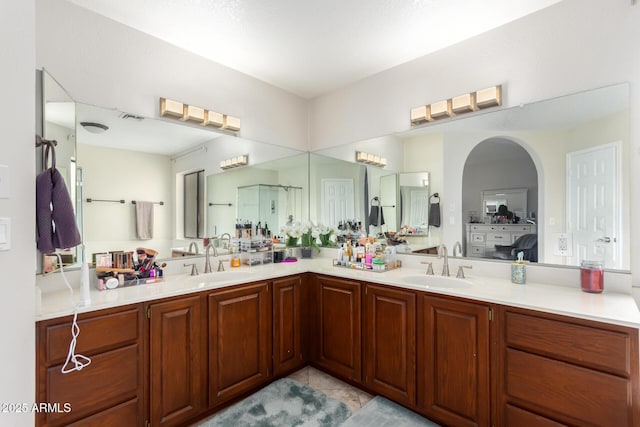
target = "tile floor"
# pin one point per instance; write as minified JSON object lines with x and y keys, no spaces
{"x":353,"y":397}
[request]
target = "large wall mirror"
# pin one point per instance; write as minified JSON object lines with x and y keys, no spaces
{"x":123,"y":158}
{"x":564,"y":161}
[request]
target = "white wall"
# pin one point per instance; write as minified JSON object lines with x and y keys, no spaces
{"x":112,"y":174}
{"x":101,"y":62}
{"x":17,"y":283}
{"x":572,"y":46}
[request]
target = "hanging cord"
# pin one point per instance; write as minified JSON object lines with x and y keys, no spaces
{"x":77,"y":360}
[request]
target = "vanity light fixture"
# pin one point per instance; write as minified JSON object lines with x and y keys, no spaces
{"x":419,"y":115}
{"x":172,"y":108}
{"x":231,"y":123}
{"x":94,"y":127}
{"x":194,"y":114}
{"x":489,"y":97}
{"x":465,"y":103}
{"x":440,"y":109}
{"x":235,"y":162}
{"x":211,"y":118}
{"x":200,"y":115}
{"x":370,"y":159}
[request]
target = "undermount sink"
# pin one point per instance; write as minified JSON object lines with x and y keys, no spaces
{"x":429,"y":281}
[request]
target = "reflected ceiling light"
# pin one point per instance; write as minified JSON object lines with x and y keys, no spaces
{"x":235,"y":162}
{"x":370,"y":159}
{"x":94,"y":127}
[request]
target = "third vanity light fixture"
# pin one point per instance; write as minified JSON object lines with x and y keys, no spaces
{"x":370,"y":159}
{"x":185,"y":112}
{"x":466,"y":103}
{"x":235,"y":162}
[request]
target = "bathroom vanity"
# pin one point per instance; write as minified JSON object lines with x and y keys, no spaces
{"x":478,"y":352}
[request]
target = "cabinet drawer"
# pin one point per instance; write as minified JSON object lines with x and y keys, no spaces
{"x":111,"y":378}
{"x":516,"y":228}
{"x":125,"y":414}
{"x":567,"y":392}
{"x":483,"y":227}
{"x":499,"y":237}
{"x":601,"y":349}
{"x":515,"y":416}
{"x":477,"y":250}
{"x":477,"y":237}
{"x":97,"y":333}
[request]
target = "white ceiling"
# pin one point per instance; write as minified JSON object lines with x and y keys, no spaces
{"x":313,"y":47}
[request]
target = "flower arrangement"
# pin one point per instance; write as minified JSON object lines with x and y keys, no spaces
{"x":327,"y":238}
{"x":306,"y":232}
{"x":293,"y":232}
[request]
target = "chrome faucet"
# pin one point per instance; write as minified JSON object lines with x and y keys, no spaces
{"x":228,"y":236}
{"x":442,"y":252}
{"x":207,"y":258}
{"x":457,"y":249}
{"x":193,"y":248}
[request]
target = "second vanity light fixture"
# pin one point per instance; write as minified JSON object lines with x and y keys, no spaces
{"x":370,"y":159}
{"x":235,"y":162}
{"x":466,"y":103}
{"x":185,"y":112}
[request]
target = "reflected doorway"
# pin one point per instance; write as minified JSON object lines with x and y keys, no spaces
{"x":498,"y":164}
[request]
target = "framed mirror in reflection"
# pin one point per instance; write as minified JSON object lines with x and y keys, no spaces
{"x":569,"y":155}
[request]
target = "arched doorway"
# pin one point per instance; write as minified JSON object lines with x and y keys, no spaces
{"x":494,"y":164}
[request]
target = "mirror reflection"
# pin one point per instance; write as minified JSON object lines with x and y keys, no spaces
{"x":268,"y":195}
{"x":58,"y":124}
{"x":556,"y":167}
{"x":128,"y":161}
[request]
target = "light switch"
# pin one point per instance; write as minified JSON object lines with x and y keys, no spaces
{"x":4,"y":182}
{"x":5,"y":234}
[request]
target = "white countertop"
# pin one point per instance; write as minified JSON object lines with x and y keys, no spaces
{"x":609,"y":306}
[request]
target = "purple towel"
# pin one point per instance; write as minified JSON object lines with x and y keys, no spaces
{"x":56,"y":220}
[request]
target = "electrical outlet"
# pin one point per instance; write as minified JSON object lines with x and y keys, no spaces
{"x":562,"y":244}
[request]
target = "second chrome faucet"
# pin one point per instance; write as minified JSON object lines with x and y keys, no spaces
{"x":442,"y":253}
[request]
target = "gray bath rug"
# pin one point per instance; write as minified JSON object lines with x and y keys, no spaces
{"x":282,"y":403}
{"x":380,"y":412}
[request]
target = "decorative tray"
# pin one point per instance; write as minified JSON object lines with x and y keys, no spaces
{"x":360,"y":266}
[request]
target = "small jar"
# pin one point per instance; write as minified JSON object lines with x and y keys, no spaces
{"x":592,"y":276}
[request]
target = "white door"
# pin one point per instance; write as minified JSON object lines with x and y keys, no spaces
{"x":592,"y":196}
{"x":337,"y":201}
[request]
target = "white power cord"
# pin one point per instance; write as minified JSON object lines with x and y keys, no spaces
{"x":74,"y":362}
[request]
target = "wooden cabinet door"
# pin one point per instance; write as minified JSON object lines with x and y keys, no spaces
{"x":287,"y":325}
{"x":573,"y":371}
{"x":453,"y":361}
{"x":109,"y":391}
{"x":390,"y":342}
{"x":338,"y":327}
{"x":175,"y":361}
{"x":239,"y":340}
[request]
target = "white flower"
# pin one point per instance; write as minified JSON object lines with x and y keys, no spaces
{"x":333,"y":238}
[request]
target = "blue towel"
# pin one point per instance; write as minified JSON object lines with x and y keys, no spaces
{"x":55,"y":216}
